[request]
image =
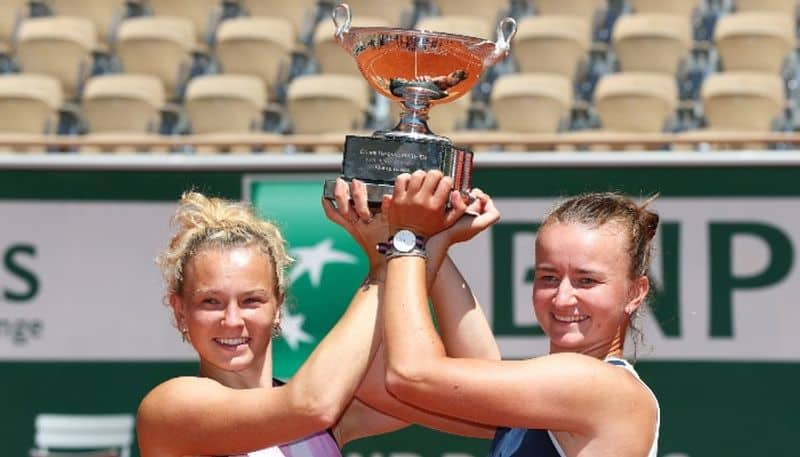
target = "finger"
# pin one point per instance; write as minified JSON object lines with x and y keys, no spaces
{"x":476,"y":200}
{"x":431,"y":182}
{"x":341,"y":193}
{"x":360,"y":203}
{"x":457,"y":210}
{"x":457,"y":201}
{"x":443,"y":190}
{"x":401,"y":185}
{"x":490,"y":214}
{"x":386,"y":205}
{"x":490,"y":208}
{"x":478,"y":194}
{"x":332,"y":213}
{"x":415,"y":182}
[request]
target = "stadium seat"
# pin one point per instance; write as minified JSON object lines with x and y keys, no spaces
{"x":754,"y":41}
{"x":123,"y":103}
{"x":392,"y":12}
{"x":258,"y":46}
{"x":585,"y":9}
{"x":11,"y":13}
{"x":225,"y":103}
{"x":742,"y":101}
{"x":327,"y":103}
{"x":333,"y":58}
{"x":59,"y":46}
{"x":102,"y":432}
{"x":204,"y":14}
{"x":29,"y":103}
{"x":458,"y":7}
{"x":105,"y":14}
{"x":701,"y":61}
{"x":531,"y":102}
{"x":787,"y":7}
{"x":158,"y":46}
{"x":551,"y":44}
{"x":683,"y":8}
{"x":487,"y":10}
{"x":652,"y":42}
{"x":635,"y":102}
{"x":473,"y":26}
{"x":300,"y":13}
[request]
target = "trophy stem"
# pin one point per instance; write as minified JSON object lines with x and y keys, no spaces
{"x":416,"y":103}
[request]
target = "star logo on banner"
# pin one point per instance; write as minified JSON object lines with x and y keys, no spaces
{"x":312,"y":259}
{"x":292,"y":330}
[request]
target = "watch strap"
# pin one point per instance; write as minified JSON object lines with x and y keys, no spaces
{"x":389,"y":250}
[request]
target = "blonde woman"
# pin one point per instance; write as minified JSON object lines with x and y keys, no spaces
{"x":225,"y":274}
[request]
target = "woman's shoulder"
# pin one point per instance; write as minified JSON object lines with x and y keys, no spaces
{"x":182,"y":384}
{"x":175,"y":391}
{"x":611,"y":378}
{"x":629,"y":372}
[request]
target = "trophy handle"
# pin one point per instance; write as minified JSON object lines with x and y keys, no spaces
{"x":342,"y":18}
{"x":506,"y":29}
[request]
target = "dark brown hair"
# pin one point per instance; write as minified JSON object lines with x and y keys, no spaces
{"x":638,"y":223}
{"x":596,"y":209}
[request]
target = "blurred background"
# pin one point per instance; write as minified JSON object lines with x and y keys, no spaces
{"x":110,"y":109}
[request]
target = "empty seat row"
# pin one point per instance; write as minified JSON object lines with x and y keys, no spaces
{"x":133,"y":103}
{"x":654,"y":42}
{"x":206,"y":14}
{"x":242,"y":35}
{"x":319,"y":104}
{"x":555,"y":43}
{"x":686,"y":7}
{"x":161,"y":46}
{"x":638,"y":102}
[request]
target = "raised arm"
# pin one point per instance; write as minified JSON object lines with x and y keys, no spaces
{"x":560,"y":392}
{"x":198,"y":416}
{"x":462,"y":318}
{"x":461,"y":322}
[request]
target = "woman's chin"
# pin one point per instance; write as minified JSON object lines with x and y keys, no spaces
{"x":234,"y":364}
{"x":568,"y":341}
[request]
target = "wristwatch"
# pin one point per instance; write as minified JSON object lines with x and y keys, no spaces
{"x":404,"y":243}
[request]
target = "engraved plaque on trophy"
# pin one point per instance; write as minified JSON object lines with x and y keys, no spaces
{"x":418,"y":69}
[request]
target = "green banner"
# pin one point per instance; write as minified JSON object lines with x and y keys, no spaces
{"x":721,"y":350}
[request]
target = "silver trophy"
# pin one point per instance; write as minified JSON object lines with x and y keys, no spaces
{"x":418,"y":69}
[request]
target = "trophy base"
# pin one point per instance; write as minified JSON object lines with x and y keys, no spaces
{"x":377,"y":160}
{"x":375,"y":192}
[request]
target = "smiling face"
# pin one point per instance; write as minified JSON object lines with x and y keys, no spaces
{"x":582,"y":292}
{"x":229,"y":306}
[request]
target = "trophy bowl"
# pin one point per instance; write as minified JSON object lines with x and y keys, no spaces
{"x":418,"y":69}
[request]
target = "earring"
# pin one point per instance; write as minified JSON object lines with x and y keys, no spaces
{"x":184,"y":334}
{"x":276,"y":330}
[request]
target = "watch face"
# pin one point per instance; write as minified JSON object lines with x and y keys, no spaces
{"x":404,"y":241}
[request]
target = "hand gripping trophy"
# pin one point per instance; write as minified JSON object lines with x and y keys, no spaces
{"x":418,"y":69}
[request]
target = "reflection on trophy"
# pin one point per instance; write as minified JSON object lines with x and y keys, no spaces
{"x":418,"y":69}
